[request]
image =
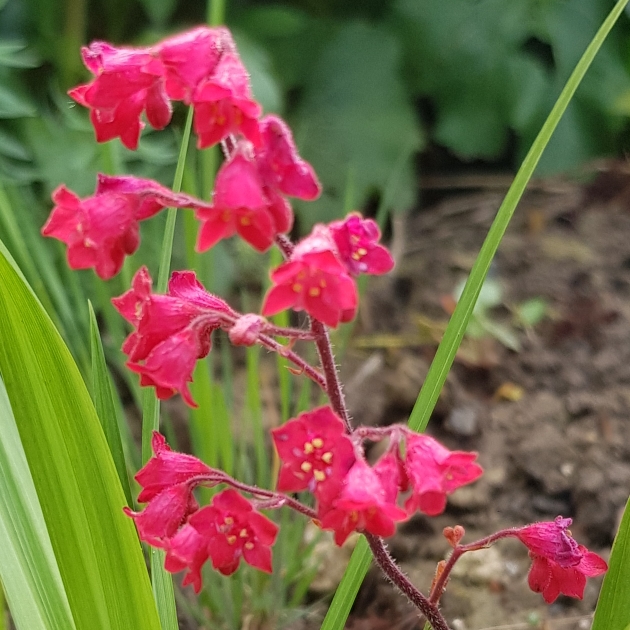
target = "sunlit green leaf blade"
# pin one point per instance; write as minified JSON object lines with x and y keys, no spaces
{"x":95,"y":544}
{"x":613,"y":606}
{"x":28,"y":568}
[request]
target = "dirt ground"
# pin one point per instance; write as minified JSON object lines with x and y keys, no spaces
{"x":550,"y":420}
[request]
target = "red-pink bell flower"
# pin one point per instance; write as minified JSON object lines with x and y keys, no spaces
{"x":167,"y":468}
{"x":279,"y":163}
{"x":390,"y":470}
{"x":362,"y":505}
{"x":191,"y":57}
{"x":187,"y":549}
{"x":127,"y":82}
{"x":559,"y":563}
{"x":239,"y":205}
{"x":172,"y":331}
{"x":316,"y":453}
{"x":102,"y":229}
{"x":434,"y":471}
{"x":224,"y":105}
{"x":315,"y":281}
{"x":234,"y":529}
{"x":357,"y":244}
{"x":164,"y":514}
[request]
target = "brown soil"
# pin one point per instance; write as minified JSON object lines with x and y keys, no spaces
{"x":550,"y":422}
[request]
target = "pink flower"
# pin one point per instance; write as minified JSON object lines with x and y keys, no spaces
{"x":313,"y":280}
{"x":187,"y":550}
{"x":234,"y":529}
{"x":167,"y":468}
{"x":102,"y":229}
{"x":224,"y":105}
{"x":434,"y":472}
{"x":164,"y":514}
{"x":560,"y":564}
{"x":279,"y":163}
{"x":240,"y":206}
{"x":315,"y":453}
{"x":362,"y":505}
{"x":390,"y":470}
{"x":357,"y":243}
{"x":172,"y":331}
{"x":191,"y":57}
{"x":127,"y":82}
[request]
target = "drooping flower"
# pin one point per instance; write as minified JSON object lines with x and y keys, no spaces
{"x":357,"y":243}
{"x":559,"y":563}
{"x":224,"y":105}
{"x":362,"y":505}
{"x":239,"y":205}
{"x":164,"y":514}
{"x":279,"y":163}
{"x":167,"y":468}
{"x":316,"y":454}
{"x":313,"y":280}
{"x":191,"y":57}
{"x":434,"y":471}
{"x":390,"y":470}
{"x":172,"y":330}
{"x":234,"y":529}
{"x":102,"y":229}
{"x":127,"y":82}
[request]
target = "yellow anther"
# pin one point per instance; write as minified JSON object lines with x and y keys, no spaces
{"x":319,"y":475}
{"x":308,"y":448}
{"x":327,"y":457}
{"x":243,"y":533}
{"x":228,"y":520}
{"x":356,"y":256}
{"x":249,"y":546}
{"x":318,"y":442}
{"x":306,"y":466}
{"x":314,"y":291}
{"x":297,"y":287}
{"x":246,"y":221}
{"x":231,"y":540}
{"x":362,"y":252}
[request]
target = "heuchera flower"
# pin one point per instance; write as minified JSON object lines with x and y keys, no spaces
{"x":357,"y":243}
{"x":188,"y":549}
{"x":224,"y":105}
{"x":316,"y":454}
{"x":434,"y":471}
{"x":172,"y":330}
{"x":232,"y":529}
{"x":313,"y":280}
{"x":127,"y":82}
{"x":362,"y":505}
{"x":191,"y":57}
{"x":239,"y":205}
{"x":560,"y":564}
{"x":102,"y":229}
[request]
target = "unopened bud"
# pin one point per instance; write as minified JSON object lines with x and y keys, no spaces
{"x":454,"y":535}
{"x":246,"y":330}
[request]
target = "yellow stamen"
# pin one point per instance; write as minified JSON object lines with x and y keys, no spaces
{"x":327,"y":457}
{"x":318,"y":442}
{"x":319,"y":475}
{"x":306,"y":467}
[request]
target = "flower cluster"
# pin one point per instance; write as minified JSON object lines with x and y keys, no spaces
{"x":224,"y":531}
{"x":320,"y":451}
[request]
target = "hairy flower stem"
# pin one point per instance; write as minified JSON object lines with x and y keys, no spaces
{"x":457,"y":553}
{"x":390,"y":569}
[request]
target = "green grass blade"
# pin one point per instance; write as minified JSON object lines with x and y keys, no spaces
{"x":340,"y":606}
{"x":103,"y":395}
{"x":613,"y":605}
{"x":28,"y":569}
{"x":95,"y":544}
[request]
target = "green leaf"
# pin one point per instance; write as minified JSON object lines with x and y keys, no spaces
{"x":95,"y":544}
{"x":105,"y":408}
{"x":15,"y":54}
{"x":613,"y":605}
{"x":28,"y":569}
{"x":357,"y":118}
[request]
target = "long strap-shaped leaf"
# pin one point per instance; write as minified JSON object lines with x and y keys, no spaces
{"x":28,"y":568}
{"x":95,"y":545}
{"x":346,"y":593}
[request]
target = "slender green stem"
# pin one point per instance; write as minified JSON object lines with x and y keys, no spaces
{"x":216,"y":12}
